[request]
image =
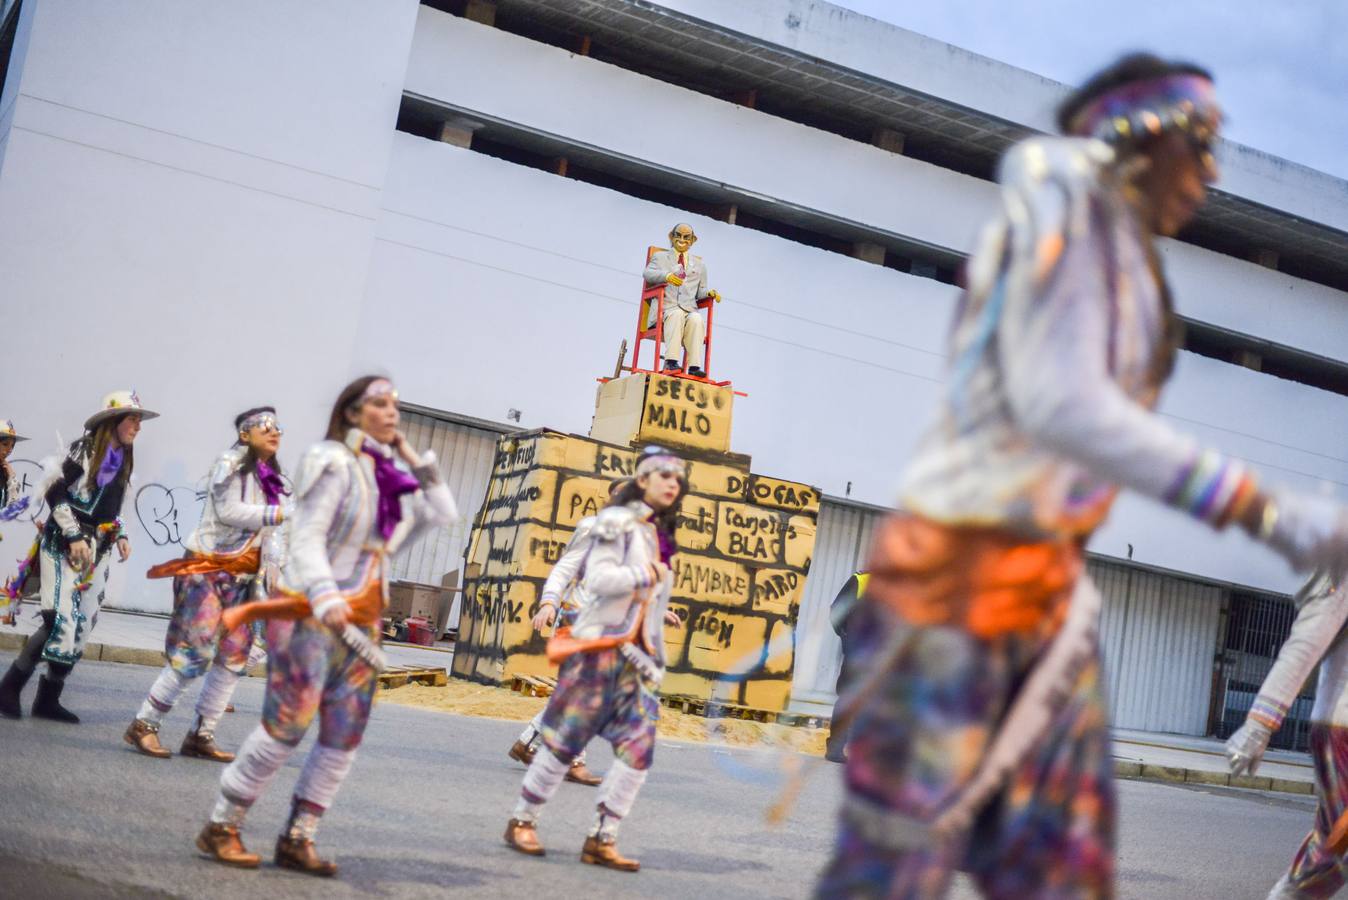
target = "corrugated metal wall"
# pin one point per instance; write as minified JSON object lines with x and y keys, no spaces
{"x":841,"y":543}
{"x":1158,"y":635}
{"x":465,"y":453}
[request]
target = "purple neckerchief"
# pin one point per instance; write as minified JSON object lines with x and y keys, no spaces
{"x":273,"y":488}
{"x":392,"y":482}
{"x":667,"y":546}
{"x":109,"y":467}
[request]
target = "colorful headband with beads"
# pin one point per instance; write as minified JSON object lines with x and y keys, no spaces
{"x":380,"y":387}
{"x":666,"y":463}
{"x":265,"y":419}
{"x":1130,"y":112}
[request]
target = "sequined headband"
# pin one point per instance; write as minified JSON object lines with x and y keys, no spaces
{"x":262,"y":419}
{"x":666,"y":463}
{"x":1138,"y":109}
{"x":380,"y":387}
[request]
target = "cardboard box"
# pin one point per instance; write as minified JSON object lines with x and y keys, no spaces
{"x":408,"y":599}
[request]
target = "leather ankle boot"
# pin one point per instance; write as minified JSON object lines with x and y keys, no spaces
{"x":523,"y":836}
{"x":604,"y":852}
{"x":203,"y":746}
{"x":581,"y":774}
{"x":301,"y":855}
{"x":522,"y":752}
{"x":223,"y":844}
{"x":47,"y":705}
{"x":144,"y":736}
{"x":11,"y":686}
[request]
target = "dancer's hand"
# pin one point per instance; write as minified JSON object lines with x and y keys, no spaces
{"x":405,"y":450}
{"x":1245,"y":749}
{"x":672,"y":619}
{"x":545,"y":616}
{"x":1310,"y":532}
{"x":123,"y":549}
{"x":80,"y":556}
{"x":336,"y":618}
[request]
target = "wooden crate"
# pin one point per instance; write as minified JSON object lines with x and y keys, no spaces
{"x":397,"y":676}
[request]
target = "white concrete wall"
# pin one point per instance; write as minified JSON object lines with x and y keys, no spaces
{"x":786,"y":161}
{"x":186,"y":207}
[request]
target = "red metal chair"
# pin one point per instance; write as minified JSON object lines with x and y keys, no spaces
{"x":653,"y":301}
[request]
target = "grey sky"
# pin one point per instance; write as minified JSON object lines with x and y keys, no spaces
{"x":1281,"y":66}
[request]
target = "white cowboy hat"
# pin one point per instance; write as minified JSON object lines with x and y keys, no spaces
{"x":118,"y":403}
{"x":7,"y":431}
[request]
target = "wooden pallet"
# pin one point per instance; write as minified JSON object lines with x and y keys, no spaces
{"x":533,"y":685}
{"x":716,"y":709}
{"x":397,"y":676}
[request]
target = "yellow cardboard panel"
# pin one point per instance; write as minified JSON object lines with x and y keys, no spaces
{"x":676,"y":639}
{"x":717,"y":480}
{"x":535,"y":664}
{"x":791,"y":496}
{"x":780,"y":662}
{"x":799,"y":544}
{"x":525,"y":495}
{"x":710,"y":580}
{"x":615,"y":462}
{"x":697,"y":523}
{"x":682,"y":413}
{"x":580,"y":496}
{"x":751,"y":533}
{"x":579,"y":454}
{"x":776,"y":590}
{"x":770,"y":695}
{"x":501,"y":562}
{"x":515,"y":455}
{"x":617,"y":410}
{"x":721,"y":640}
{"x":537,"y":549}
{"x":686,"y":684}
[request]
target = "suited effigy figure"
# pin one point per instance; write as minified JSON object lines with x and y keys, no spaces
{"x":685,"y":279}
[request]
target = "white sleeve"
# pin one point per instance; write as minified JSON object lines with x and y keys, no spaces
{"x":226,"y":497}
{"x":617,"y":566}
{"x":1323,"y":609}
{"x":567,"y":567}
{"x":308,"y":565}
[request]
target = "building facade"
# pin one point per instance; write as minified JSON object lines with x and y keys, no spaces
{"x":224,"y":206}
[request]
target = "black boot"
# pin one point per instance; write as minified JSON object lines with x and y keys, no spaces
{"x":48,"y":702}
{"x":10,"y":689}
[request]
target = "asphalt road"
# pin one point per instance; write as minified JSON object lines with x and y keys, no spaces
{"x":81,"y":815}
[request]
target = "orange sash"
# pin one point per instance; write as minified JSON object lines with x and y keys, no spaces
{"x":562,"y":644}
{"x":983,"y":579}
{"x":367,"y":607}
{"x":245,"y":563}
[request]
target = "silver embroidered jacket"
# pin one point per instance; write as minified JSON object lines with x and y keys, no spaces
{"x":236,"y":513}
{"x":334,"y":543}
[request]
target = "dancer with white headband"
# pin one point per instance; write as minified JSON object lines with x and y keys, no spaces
{"x":246,"y":502}
{"x":360,"y":496}
{"x":612,"y":660}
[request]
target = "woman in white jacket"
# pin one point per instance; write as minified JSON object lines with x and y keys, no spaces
{"x":360,"y":496}
{"x":612,"y":660}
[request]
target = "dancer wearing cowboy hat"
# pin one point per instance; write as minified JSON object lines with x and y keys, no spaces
{"x":75,"y":551}
{"x":9,"y":482}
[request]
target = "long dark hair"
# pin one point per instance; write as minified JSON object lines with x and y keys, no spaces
{"x":97,"y":444}
{"x":1126,"y":69}
{"x":250,"y":458}
{"x":666,"y":519}
{"x":347,"y":401}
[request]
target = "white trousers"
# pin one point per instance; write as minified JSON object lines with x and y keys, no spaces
{"x":686,"y":328}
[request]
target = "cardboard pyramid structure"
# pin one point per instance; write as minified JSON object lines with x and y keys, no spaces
{"x":745,"y":542}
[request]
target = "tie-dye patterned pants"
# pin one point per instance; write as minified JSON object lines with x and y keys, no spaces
{"x":191,"y":641}
{"x":311,"y":672}
{"x":920,"y":737}
{"x":1316,"y":871}
{"x":601,"y":694}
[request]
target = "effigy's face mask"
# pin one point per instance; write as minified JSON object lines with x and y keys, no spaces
{"x":682,"y":238}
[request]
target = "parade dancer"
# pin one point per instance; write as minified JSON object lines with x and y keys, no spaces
{"x":1318,"y":637}
{"x":563,"y":595}
{"x":612,"y":660}
{"x":9,"y":480}
{"x":245,"y":500}
{"x":360,"y":496}
{"x":981,"y":737}
{"x":74,"y":553}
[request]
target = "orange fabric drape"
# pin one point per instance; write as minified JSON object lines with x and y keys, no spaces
{"x":245,"y":563}
{"x":367,"y":607}
{"x":982,"y":579}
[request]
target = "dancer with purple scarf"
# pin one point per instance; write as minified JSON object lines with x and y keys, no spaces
{"x":226,"y":557}
{"x":75,"y":553}
{"x":360,"y":496}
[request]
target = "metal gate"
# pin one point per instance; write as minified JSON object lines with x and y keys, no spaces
{"x":1255,"y":628}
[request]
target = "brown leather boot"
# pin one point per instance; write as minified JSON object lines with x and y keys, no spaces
{"x":580,"y":774}
{"x":521,"y":752}
{"x":145,"y":737}
{"x":301,"y":855}
{"x":523,"y":836}
{"x":202,"y":746}
{"x":222,"y":843}
{"x":604,"y":852}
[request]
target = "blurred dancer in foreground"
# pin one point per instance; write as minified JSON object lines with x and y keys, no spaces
{"x":981,"y":738}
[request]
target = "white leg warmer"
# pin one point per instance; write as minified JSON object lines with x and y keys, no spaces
{"x":1285,"y":890}
{"x":259,"y":759}
{"x":540,"y":783}
{"x":324,"y":771}
{"x":532,"y":729}
{"x":214,"y":697}
{"x":620,"y":787}
{"x":165,"y":691}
